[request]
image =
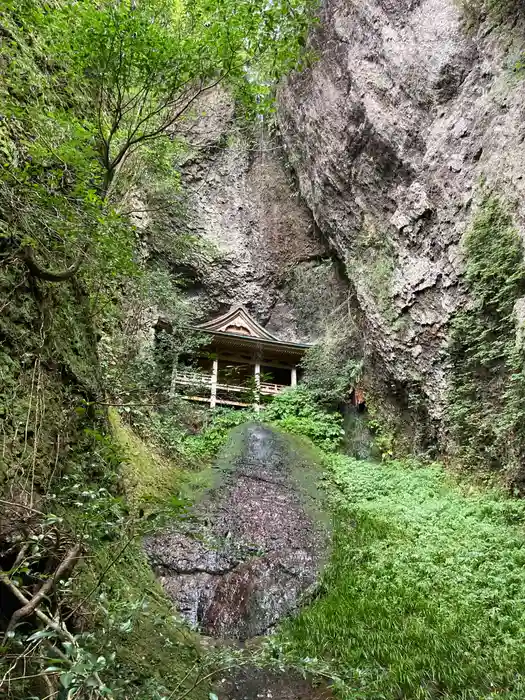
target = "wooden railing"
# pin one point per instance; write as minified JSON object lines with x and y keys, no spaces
{"x":270,"y":389}
{"x":192,"y":378}
{"x":198,"y":379}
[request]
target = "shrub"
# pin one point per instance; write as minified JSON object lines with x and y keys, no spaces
{"x":296,"y":411}
{"x":333,"y":365}
{"x":208,"y":443}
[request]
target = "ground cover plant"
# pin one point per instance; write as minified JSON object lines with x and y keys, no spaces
{"x":424,"y":594}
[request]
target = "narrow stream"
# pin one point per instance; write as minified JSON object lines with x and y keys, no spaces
{"x":251,"y":553}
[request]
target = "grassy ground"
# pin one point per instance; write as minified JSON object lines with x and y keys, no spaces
{"x":425,"y":596}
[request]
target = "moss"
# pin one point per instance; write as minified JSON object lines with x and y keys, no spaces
{"x":123,"y":610}
{"x":375,"y":264}
{"x":146,"y":473}
{"x":486,"y":417}
{"x":380,"y":271}
{"x":48,"y":370}
{"x":136,"y":623}
{"x":497,"y":11}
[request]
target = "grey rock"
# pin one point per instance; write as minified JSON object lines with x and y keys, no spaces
{"x":259,"y":550}
{"x":390,"y":133}
{"x":241,"y":198}
{"x":252,"y":683}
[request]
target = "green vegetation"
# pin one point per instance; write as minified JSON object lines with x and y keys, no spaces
{"x":140,"y":648}
{"x":117,"y":635}
{"x":374,"y":263}
{"x":333,"y":366}
{"x":497,"y":11}
{"x":128,"y":631}
{"x":485,"y":412}
{"x":422,"y":597}
{"x":148,"y":475}
{"x":295,"y":411}
{"x":95,"y":99}
{"x":379,"y":272}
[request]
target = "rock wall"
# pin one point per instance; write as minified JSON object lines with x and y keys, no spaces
{"x":391,"y":133}
{"x":241,"y":198}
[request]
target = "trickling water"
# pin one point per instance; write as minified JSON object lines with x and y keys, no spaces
{"x":253,"y":556}
{"x":260,"y":443}
{"x":258,"y":547}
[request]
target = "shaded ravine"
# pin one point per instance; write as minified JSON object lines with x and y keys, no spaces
{"x":250,"y":553}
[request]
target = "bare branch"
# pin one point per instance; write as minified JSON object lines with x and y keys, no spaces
{"x":31,"y":605}
{"x":14,"y":504}
{"x":135,"y":140}
{"x":61,"y":631}
{"x":28,"y":256}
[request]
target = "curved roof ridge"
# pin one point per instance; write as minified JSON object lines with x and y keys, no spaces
{"x":237,"y":311}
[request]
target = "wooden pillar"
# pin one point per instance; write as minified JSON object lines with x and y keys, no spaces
{"x":173,"y":385}
{"x":294,"y":377}
{"x":257,"y":373}
{"x":214,"y":377}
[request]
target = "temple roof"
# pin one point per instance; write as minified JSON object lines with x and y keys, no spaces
{"x":237,"y":320}
{"x":239,"y":323}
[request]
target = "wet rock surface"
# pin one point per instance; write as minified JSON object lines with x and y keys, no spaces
{"x":253,"y":683}
{"x":255,"y":545}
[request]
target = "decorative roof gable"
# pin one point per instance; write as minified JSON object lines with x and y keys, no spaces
{"x":239,"y":322}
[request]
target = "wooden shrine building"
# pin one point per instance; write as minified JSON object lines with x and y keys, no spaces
{"x":242,"y":364}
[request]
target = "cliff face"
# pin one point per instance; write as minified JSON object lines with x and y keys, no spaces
{"x":391,"y":134}
{"x":241,"y":198}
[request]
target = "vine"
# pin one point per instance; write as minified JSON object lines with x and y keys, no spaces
{"x":486,"y":416}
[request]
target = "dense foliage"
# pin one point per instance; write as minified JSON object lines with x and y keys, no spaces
{"x":332,"y":366}
{"x":95,"y":101}
{"x":485,"y":412}
{"x":92,"y":88}
{"x":295,"y":411}
{"x":421,"y":599}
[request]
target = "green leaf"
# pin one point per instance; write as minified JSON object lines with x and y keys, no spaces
{"x":42,"y":634}
{"x":66,"y":679}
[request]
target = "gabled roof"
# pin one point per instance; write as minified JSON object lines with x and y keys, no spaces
{"x":239,"y":322}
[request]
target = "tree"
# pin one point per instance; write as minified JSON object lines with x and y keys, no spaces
{"x":129,"y":74}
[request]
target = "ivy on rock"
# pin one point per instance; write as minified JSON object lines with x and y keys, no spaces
{"x":486,"y":412}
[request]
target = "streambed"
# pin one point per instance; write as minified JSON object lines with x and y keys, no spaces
{"x":250,"y":553}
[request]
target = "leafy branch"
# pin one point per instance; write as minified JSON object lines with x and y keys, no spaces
{"x":132,"y":73}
